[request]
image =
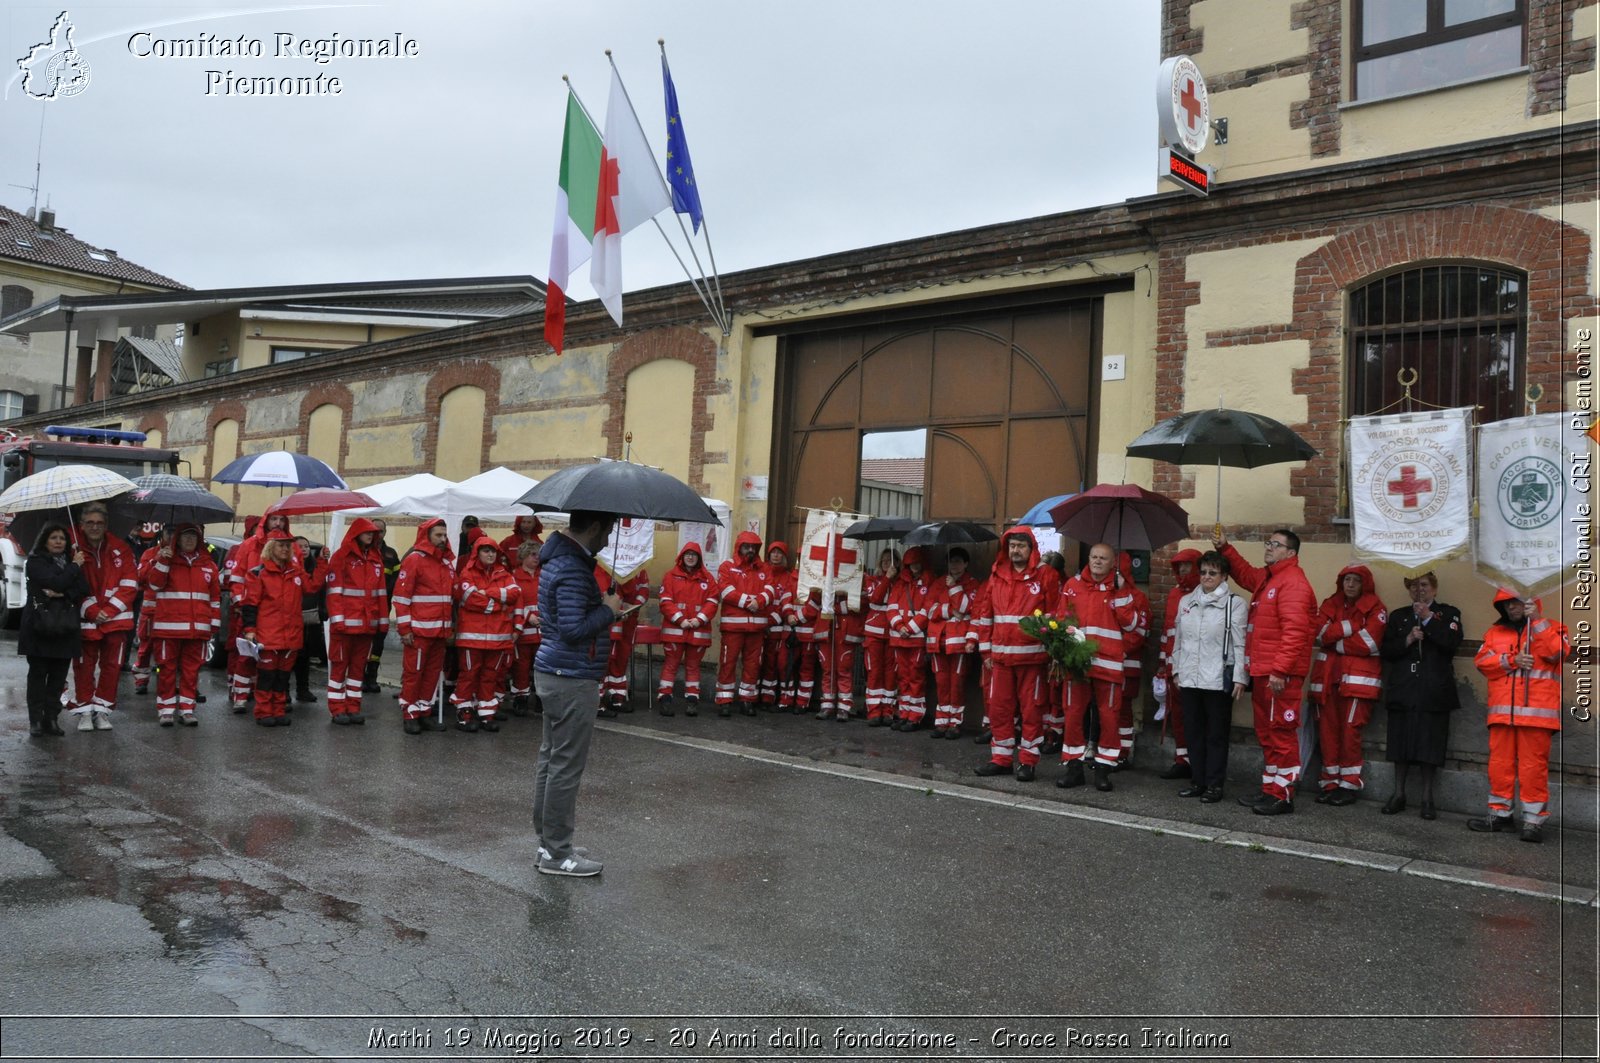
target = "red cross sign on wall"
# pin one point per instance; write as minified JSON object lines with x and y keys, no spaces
{"x":1409,"y":487}
{"x":1190,"y":102}
{"x":841,"y":555}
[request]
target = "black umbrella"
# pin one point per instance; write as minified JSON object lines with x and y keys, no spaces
{"x":880,"y":528}
{"x":619,"y":487}
{"x":168,"y":499}
{"x":1221,"y":437}
{"x":948,"y":533}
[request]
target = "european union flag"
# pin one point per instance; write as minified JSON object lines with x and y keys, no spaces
{"x":680,"y":171}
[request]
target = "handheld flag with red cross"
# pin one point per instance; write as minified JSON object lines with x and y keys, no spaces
{"x":828,"y":561}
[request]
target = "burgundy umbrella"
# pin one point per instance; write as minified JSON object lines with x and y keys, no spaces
{"x":1124,"y":515}
{"x":320,"y":500}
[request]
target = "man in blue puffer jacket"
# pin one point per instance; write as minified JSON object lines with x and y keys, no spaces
{"x":575,"y":625}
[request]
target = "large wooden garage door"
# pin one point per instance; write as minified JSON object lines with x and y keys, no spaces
{"x":1006,"y":395}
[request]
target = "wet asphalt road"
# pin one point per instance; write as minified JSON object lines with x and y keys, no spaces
{"x":242,"y":882}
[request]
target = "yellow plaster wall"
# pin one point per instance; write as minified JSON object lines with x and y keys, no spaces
{"x":536,"y":443}
{"x":1483,"y":109}
{"x":1260,"y":140}
{"x":1583,"y":215}
{"x":1244,"y":286}
{"x":1582,"y":88}
{"x":658,"y":415}
{"x":323,"y":433}
{"x":459,"y":453}
{"x":1241,"y":36}
{"x":203,"y":337}
{"x":384,"y":447}
{"x":224,"y":445}
{"x":1128,"y":327}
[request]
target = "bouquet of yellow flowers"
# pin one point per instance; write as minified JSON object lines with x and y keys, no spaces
{"x":1069,"y":648}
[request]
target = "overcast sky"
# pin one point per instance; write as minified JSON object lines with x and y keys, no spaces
{"x":815,"y":127}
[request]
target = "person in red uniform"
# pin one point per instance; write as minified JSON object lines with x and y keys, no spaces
{"x":241,"y":671}
{"x":1104,"y":611}
{"x":243,"y":558}
{"x":802,"y":618}
{"x":908,"y":637}
{"x":358,"y":612}
{"x":105,"y":618}
{"x":949,"y":606}
{"x":144,"y":540}
{"x":1521,"y":658}
{"x":745,"y":596}
{"x":271,"y":615}
{"x":523,"y":530}
{"x":635,"y":590}
{"x":879,"y":661}
{"x":1019,"y":585}
{"x":487,"y":595}
{"x":1346,"y":679}
{"x":520,"y":661}
{"x":183,"y":599}
{"x":1280,"y":631}
{"x":423,"y":595}
{"x":1133,"y":643}
{"x":688,"y":605}
{"x":1186,"y":577}
{"x":777,"y":649}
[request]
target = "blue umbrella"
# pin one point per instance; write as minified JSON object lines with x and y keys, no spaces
{"x":279,"y":468}
{"x":1039,"y":516}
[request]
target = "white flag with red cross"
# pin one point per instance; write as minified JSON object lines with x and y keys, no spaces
{"x":630,"y":548}
{"x":828,"y":561}
{"x":1411,"y":487}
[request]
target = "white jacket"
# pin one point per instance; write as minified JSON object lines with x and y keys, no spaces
{"x":1202,"y":639}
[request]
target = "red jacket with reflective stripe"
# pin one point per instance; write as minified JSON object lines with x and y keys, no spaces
{"x":489,"y":599}
{"x":1524,"y":697}
{"x":875,"y":600}
{"x":182,"y":595}
{"x":685,"y":596}
{"x":908,"y":622}
{"x":358,"y":595}
{"x":1106,"y":613}
{"x":527,"y":616}
{"x":1345,"y":661}
{"x":113,"y":579}
{"x":425,"y":589}
{"x":1282,"y":623}
{"x":271,"y":604}
{"x":950,"y":608}
{"x":743,"y":590}
{"x":1009,"y":596}
{"x":635,"y":590}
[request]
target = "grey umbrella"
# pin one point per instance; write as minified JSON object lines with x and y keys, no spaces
{"x":619,"y":487}
{"x":170,"y":500}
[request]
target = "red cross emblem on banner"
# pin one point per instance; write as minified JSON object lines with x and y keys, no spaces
{"x":1409,"y":487}
{"x":841,"y":555}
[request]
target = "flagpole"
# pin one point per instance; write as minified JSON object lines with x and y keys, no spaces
{"x":634,"y":113}
{"x":716,"y":277}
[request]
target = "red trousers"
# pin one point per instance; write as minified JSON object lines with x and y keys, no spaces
{"x":421,"y":665}
{"x":775,"y":670}
{"x":178,"y":680}
{"x":1277,"y":718}
{"x":347,"y":666}
{"x":96,"y":672}
{"x":1014,"y":688}
{"x":836,"y":660}
{"x":477,"y":682}
{"x":241,"y":670}
{"x":614,"y":687}
{"x":908,"y":673}
{"x":145,"y":652}
{"x":1131,"y":682}
{"x":798,"y":696}
{"x":520,"y":667}
{"x":1519,"y":757}
{"x":1076,"y":696}
{"x":880,"y":678}
{"x":1174,"y":717}
{"x":689,"y":655}
{"x":950,"y":688}
{"x":740,"y":668}
{"x":1339,"y":724}
{"x":272,"y":681}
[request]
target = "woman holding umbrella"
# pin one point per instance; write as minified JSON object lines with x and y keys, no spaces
{"x":49,"y":638}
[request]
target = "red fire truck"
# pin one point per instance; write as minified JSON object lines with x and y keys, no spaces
{"x":120,"y":452}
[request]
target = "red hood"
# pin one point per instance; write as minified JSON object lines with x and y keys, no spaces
{"x":914,"y":555}
{"x":1002,"y":563}
{"x":690,"y":548}
{"x":754,"y":540}
{"x":529,"y":526}
{"x":1369,"y":588}
{"x":251,"y":523}
{"x":1192,"y":580}
{"x":777,"y":544}
{"x":477,"y":537}
{"x":425,"y":546}
{"x":349,"y":545}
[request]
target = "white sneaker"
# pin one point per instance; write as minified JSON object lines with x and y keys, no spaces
{"x":102,"y":720}
{"x":86,"y":720}
{"x":574,"y":866}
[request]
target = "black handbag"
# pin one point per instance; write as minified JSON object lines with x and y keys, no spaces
{"x":54,"y":618}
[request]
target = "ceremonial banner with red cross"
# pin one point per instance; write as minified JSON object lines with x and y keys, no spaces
{"x":828,"y":561}
{"x":630,"y":548}
{"x":1533,"y":504}
{"x":1411,"y":487}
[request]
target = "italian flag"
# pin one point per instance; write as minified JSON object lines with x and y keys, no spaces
{"x":572,"y":234}
{"x":631,"y":193}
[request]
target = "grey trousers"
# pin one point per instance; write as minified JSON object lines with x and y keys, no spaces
{"x":569,"y":714}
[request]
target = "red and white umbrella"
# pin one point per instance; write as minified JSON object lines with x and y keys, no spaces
{"x":320,"y":500}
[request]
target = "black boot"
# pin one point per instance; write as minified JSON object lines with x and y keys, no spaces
{"x":1102,"y":777}
{"x":369,"y":681}
{"x":1073,"y":777}
{"x":519,"y":705}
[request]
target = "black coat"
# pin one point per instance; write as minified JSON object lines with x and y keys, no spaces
{"x":44,"y":574}
{"x":1422,"y":677}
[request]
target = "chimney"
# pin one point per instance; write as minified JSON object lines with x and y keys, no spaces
{"x":47,"y":219}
